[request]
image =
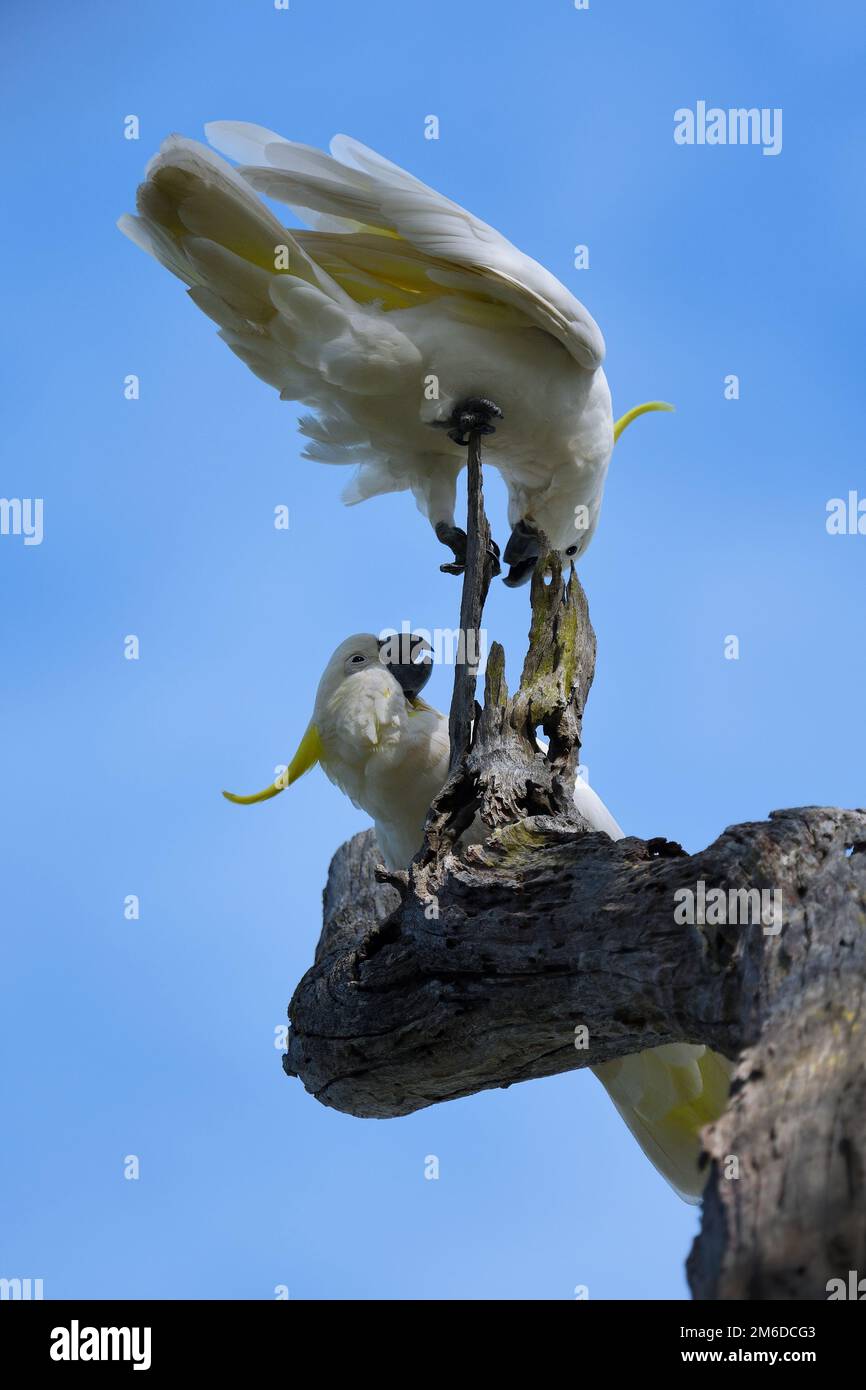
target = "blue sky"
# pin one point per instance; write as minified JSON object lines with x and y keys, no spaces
{"x":156,"y":1037}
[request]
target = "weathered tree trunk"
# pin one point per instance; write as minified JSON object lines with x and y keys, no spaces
{"x":481,"y":969}
{"x":547,"y":927}
{"x":795,"y":1217}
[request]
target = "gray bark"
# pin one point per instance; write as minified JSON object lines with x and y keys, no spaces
{"x":547,"y":927}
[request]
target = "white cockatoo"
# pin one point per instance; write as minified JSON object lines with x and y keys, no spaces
{"x":389,"y":752}
{"x":398,"y":312}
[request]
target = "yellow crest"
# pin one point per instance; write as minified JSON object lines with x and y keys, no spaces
{"x":308,"y":754}
{"x":625,"y":420}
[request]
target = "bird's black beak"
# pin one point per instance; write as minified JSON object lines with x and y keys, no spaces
{"x":519,"y":574}
{"x":521,"y":553}
{"x":409,"y":658}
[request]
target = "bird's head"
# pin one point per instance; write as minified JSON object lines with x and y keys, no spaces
{"x":568,"y":532}
{"x":405,"y":657}
{"x":523,"y":550}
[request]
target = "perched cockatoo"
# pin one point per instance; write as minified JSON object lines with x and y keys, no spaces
{"x":397,"y":313}
{"x":389,"y":752}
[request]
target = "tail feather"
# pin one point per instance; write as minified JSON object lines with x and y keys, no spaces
{"x":373,"y":479}
{"x":666,"y":1095}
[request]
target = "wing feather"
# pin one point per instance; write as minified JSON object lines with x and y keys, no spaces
{"x":465,"y":255}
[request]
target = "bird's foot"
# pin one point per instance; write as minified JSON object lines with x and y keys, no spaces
{"x":455,"y":538}
{"x":473,"y":415}
{"x":521,"y":554}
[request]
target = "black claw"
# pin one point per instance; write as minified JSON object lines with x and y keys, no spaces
{"x":455,"y":538}
{"x":474,"y":415}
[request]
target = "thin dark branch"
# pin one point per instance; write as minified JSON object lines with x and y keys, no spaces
{"x":476,"y":583}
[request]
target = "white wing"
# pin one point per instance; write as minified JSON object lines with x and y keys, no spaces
{"x":356,"y":191}
{"x":280,"y":311}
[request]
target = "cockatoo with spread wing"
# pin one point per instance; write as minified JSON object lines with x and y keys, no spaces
{"x":398,"y":313}
{"x":388,"y":750}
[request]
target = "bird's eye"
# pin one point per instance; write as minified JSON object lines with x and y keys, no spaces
{"x":358,"y":659}
{"x":572,"y":550}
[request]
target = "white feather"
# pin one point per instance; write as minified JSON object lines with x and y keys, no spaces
{"x":399,"y":287}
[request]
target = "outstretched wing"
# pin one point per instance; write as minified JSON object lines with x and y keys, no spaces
{"x":384,"y":224}
{"x":279,"y":310}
